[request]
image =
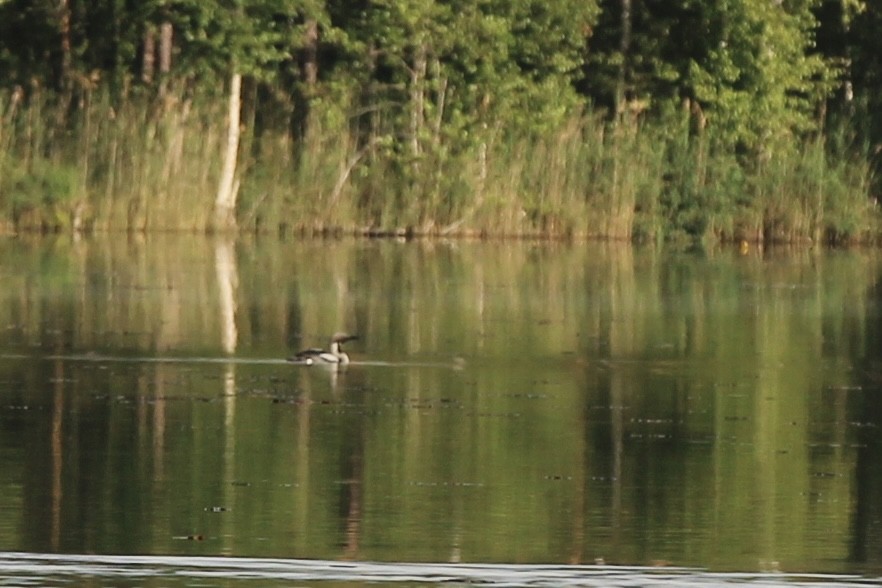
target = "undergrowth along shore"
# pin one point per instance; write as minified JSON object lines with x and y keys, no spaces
{"x":144,"y":164}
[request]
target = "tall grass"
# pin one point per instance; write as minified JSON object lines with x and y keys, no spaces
{"x":146,"y":164}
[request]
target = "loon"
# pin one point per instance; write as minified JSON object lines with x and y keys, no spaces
{"x":334,"y":356}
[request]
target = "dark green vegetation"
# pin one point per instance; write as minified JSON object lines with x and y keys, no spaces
{"x":746,"y":119}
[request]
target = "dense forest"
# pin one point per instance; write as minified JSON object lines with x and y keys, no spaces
{"x":632,"y":119}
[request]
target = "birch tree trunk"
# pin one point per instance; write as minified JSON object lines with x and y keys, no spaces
{"x":225,"y":203}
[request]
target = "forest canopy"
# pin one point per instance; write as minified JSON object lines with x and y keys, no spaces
{"x":756,"y":119}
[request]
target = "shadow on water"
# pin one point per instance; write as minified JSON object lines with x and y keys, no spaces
{"x":866,"y":546}
{"x":508,"y":403}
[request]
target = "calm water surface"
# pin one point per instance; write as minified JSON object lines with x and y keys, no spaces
{"x":519,"y":413}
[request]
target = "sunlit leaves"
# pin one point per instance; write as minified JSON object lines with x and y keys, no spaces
{"x":760,"y":80}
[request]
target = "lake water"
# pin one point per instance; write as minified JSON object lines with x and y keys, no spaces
{"x":516,"y":413}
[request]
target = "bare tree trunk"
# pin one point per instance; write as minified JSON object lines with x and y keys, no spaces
{"x":417,"y":97}
{"x":65,"y":73}
{"x":166,"y":37}
{"x":148,"y":59}
{"x":225,"y":203}
{"x":310,"y":129}
{"x":64,"y":33}
{"x":310,"y":57}
{"x":440,"y":100}
{"x":624,"y":48}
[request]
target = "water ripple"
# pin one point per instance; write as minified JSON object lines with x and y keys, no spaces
{"x":30,"y":569}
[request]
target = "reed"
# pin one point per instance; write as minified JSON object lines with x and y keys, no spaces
{"x":143,"y":163}
{"x":148,"y":165}
{"x":134,"y":164}
{"x":805,"y":194}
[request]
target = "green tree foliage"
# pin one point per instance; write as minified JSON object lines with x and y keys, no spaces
{"x":760,"y":78}
{"x":650,"y":59}
{"x":865,"y":65}
{"x":521,"y":53}
{"x":30,"y":41}
{"x":454,"y":58}
{"x":749,"y":65}
{"x":419,"y":91}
